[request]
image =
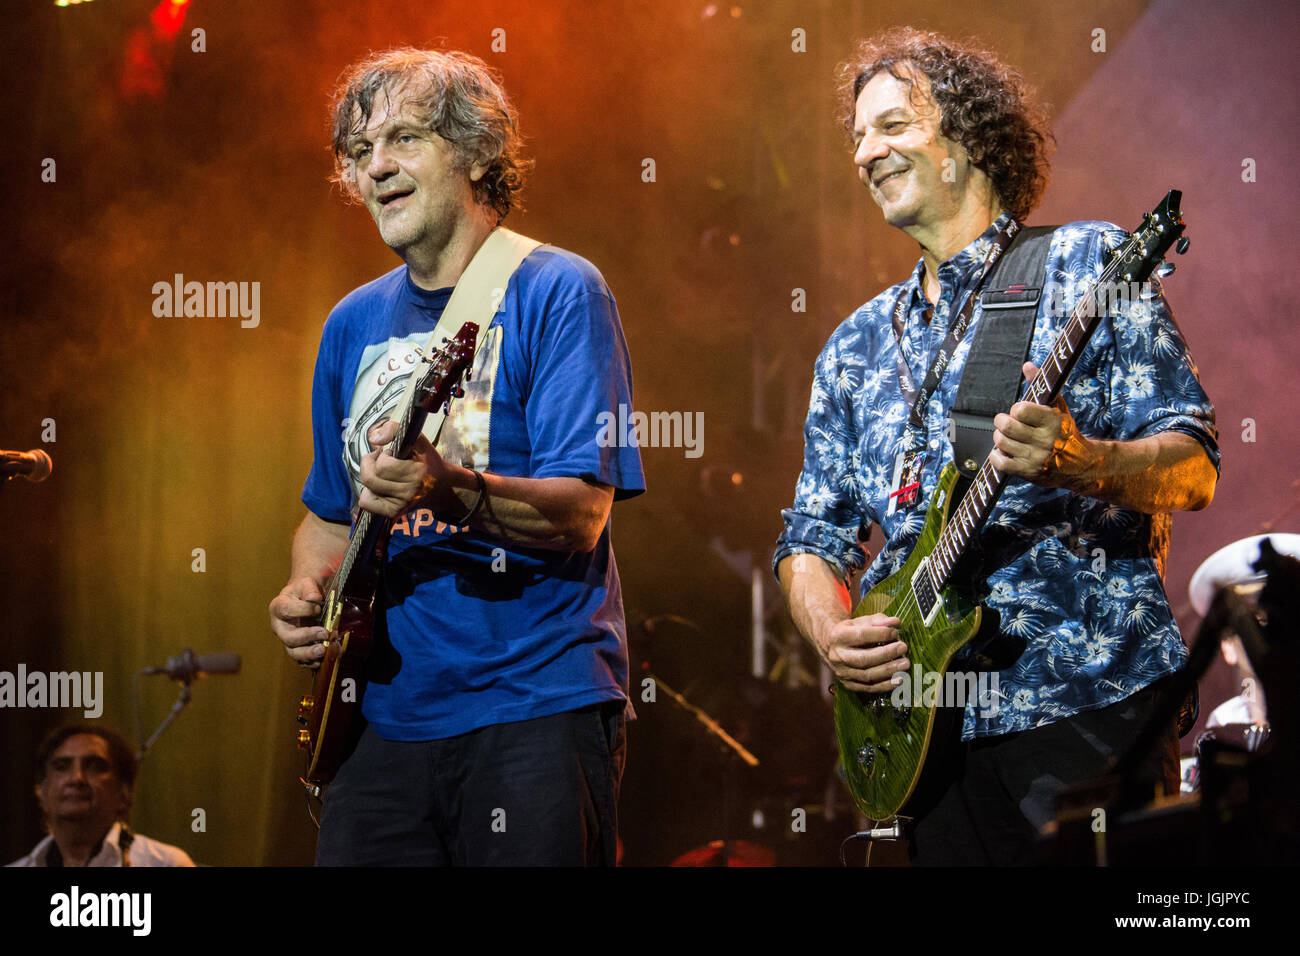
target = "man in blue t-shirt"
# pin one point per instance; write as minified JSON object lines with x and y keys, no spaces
{"x":496,"y":690}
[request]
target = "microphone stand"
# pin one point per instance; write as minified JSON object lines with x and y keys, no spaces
{"x":187,"y":664}
{"x":181,"y":701}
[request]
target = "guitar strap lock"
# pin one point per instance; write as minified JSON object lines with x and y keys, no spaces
{"x":972,"y":441}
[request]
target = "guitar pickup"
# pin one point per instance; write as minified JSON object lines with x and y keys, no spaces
{"x":927,"y":596}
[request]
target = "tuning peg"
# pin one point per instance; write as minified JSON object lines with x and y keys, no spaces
{"x":1165,"y":268}
{"x":1181,"y":246}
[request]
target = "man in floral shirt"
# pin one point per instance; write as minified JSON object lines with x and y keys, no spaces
{"x":951,"y":151}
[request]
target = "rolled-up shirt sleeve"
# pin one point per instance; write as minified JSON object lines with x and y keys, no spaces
{"x":826,"y":517}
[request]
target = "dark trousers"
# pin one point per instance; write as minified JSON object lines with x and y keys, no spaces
{"x":539,"y":792}
{"x":1004,"y":788}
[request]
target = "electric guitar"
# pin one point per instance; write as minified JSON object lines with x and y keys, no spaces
{"x":884,"y":747}
{"x":332,"y":711}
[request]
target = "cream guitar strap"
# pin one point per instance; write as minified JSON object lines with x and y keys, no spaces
{"x":477,"y":297}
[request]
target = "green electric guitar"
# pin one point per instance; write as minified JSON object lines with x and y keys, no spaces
{"x":884,"y":746}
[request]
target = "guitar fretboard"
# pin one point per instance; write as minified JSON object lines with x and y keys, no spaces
{"x":356,"y":557}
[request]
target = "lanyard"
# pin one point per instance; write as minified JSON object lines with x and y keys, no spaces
{"x":956,"y":331}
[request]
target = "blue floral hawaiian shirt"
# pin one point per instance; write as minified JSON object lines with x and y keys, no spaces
{"x":1078,"y":580}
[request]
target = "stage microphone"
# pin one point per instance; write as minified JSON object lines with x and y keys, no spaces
{"x":33,"y":465}
{"x":186,"y":666}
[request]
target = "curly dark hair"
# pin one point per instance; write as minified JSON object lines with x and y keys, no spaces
{"x":985,"y":106}
{"x":464,"y":103}
{"x":120,"y":753}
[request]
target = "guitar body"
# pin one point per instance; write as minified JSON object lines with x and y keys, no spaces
{"x":884,"y":747}
{"x":332,"y":712}
{"x":332,"y":729}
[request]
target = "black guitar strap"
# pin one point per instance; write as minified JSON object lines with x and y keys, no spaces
{"x":989,"y":385}
{"x":991,"y":379}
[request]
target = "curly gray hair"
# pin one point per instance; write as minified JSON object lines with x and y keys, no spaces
{"x":464,"y":103}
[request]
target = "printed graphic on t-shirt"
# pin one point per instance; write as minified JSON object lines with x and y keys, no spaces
{"x":381,"y":382}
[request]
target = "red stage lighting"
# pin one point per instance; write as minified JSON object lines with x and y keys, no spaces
{"x":167,"y":18}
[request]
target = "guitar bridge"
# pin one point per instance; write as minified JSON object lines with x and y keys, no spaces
{"x":926,"y":594}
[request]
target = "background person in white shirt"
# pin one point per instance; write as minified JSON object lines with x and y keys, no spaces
{"x":84,"y":778}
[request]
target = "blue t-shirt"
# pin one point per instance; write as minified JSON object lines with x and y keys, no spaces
{"x":472,"y":630}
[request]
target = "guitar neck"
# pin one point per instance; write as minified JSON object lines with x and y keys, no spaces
{"x":988,"y":484}
{"x":438,"y":386}
{"x":370,"y":532}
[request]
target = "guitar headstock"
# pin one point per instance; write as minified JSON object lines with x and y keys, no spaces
{"x":447,"y":366}
{"x":438,"y":385}
{"x":1143,"y":251}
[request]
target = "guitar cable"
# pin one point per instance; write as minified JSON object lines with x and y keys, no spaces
{"x":849,"y":839}
{"x":310,"y":812}
{"x":892,"y":832}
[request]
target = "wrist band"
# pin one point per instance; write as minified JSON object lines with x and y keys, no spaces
{"x":482,"y":493}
